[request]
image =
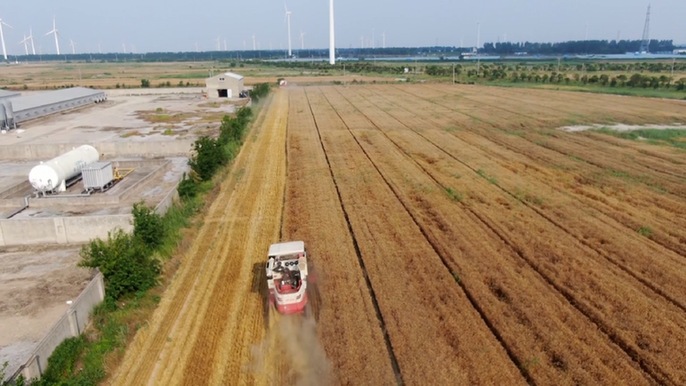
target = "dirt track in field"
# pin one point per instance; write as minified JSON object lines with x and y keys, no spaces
{"x":458,"y":239}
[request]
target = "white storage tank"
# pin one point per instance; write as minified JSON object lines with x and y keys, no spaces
{"x":52,"y":176}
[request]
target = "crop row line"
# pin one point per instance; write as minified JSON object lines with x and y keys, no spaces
{"x":423,"y":231}
{"x":370,"y":288}
{"x":530,"y":156}
{"x":607,"y":330}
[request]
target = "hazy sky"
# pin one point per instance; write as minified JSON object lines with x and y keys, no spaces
{"x":175,"y":25}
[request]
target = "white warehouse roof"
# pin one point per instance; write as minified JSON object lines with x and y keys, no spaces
{"x":8,"y":94}
{"x":37,"y":100}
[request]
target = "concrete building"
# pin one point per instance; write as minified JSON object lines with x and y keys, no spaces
{"x":224,"y":85}
{"x":8,"y":94}
{"x":45,"y":103}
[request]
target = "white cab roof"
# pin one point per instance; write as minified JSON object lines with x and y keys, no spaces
{"x":287,"y":248}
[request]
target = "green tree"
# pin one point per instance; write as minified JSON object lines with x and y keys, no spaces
{"x":148,"y":226}
{"x":188,"y":188}
{"x":145,"y":83}
{"x":125,"y":262}
{"x":208,"y":157}
{"x":681,"y":84}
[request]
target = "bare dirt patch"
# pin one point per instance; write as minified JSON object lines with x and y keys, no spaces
{"x":36,"y":283}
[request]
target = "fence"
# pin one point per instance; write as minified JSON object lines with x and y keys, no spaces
{"x":71,"y":324}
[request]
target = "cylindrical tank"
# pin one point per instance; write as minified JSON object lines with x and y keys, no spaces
{"x":53,"y":175}
{"x":7,"y":115}
{"x":3,"y":117}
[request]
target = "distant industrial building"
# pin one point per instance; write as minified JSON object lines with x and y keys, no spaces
{"x":18,"y":109}
{"x":224,"y":85}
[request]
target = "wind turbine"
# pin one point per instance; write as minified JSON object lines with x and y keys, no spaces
{"x":55,"y":32}
{"x":2,"y":37}
{"x":26,"y":44}
{"x":288,"y":22}
{"x":33,"y":47}
{"x":332,"y":40}
{"x":73,"y":47}
{"x":302,"y":40}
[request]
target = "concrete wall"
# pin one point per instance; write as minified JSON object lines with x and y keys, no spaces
{"x":61,"y":230}
{"x":146,"y":149}
{"x":167,"y":202}
{"x":71,"y":324}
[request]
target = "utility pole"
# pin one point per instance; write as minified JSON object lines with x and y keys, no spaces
{"x":453,"y":73}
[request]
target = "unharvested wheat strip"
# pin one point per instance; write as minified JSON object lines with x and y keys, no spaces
{"x":602,"y":106}
{"x":635,"y":252}
{"x":347,"y":324}
{"x":526,"y":106}
{"x":504,"y":289}
{"x":511,"y":120}
{"x":563,"y":104}
{"x":604,"y":291}
{"x":412,"y":285}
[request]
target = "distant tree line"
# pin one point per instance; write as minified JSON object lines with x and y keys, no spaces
{"x":657,"y":77}
{"x":595,"y":47}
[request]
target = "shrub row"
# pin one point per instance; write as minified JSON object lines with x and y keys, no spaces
{"x":210,"y":154}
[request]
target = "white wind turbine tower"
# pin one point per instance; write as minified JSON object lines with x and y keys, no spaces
{"x":2,"y":37}
{"x":73,"y":46}
{"x":302,"y":40}
{"x":288,"y":22}
{"x":55,"y":32}
{"x":332,"y":40}
{"x":25,"y":42}
{"x":33,"y":47}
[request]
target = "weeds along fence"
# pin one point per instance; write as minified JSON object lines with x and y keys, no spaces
{"x":71,"y":324}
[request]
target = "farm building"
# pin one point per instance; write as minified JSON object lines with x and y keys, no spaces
{"x":224,"y":85}
{"x":27,"y":107}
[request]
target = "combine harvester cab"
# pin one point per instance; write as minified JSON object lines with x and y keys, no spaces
{"x":287,"y":277}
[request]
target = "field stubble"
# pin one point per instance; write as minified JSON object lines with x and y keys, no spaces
{"x":458,"y":238}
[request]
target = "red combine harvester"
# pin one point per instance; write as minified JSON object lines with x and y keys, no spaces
{"x":287,"y":277}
